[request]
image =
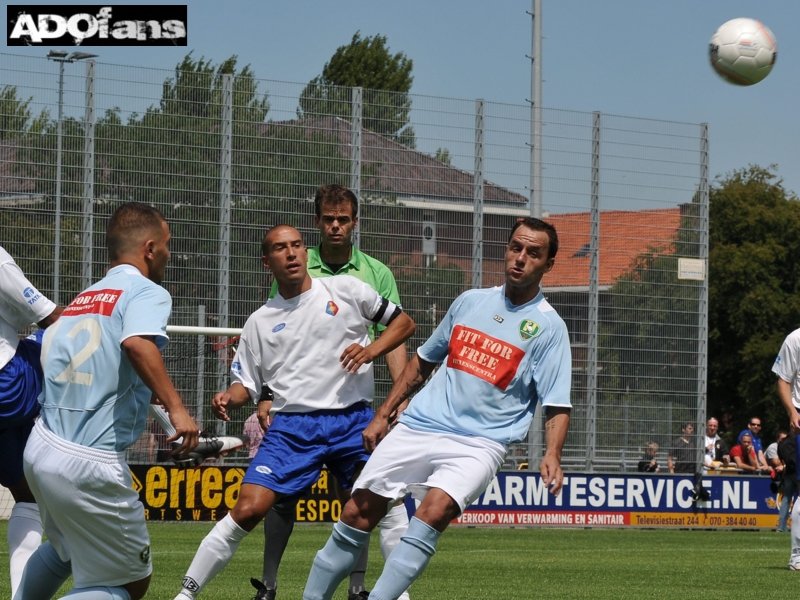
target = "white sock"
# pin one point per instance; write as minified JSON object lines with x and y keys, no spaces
{"x":215,"y":551}
{"x":160,"y":415}
{"x":393,"y":526}
{"x":24,"y":537}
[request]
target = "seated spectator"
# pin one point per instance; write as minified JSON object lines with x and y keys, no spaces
{"x":754,"y":429}
{"x":649,"y":464}
{"x":682,"y":455}
{"x":771,"y":453}
{"x":744,"y":455}
{"x":716,"y":450}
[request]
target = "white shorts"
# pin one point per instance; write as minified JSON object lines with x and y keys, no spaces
{"x":408,"y":460}
{"x":90,"y":512}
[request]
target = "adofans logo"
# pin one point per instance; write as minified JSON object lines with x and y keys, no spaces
{"x":117,"y":25}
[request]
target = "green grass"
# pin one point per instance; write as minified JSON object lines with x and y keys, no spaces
{"x":513,"y":564}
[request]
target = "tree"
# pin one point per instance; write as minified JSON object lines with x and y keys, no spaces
{"x":386,"y":79}
{"x":15,"y":115}
{"x":754,"y":292}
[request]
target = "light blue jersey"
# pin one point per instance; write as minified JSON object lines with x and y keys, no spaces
{"x":92,"y":396}
{"x":500,"y":360}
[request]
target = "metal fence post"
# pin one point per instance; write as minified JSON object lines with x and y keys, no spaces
{"x":88,"y":180}
{"x":201,"y":367}
{"x":355,"y":156}
{"x":59,"y":135}
{"x":594,"y":297}
{"x":702,"y":304}
{"x":225,"y":229}
{"x":536,"y":109}
{"x":477,"y":199}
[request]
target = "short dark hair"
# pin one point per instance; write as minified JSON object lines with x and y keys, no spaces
{"x":265,"y":242}
{"x":335,"y":194}
{"x":744,"y":435}
{"x":538,"y":225}
{"x":686,"y":424}
{"x":129,"y":224}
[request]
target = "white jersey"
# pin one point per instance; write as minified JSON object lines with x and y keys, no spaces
{"x":787,"y":364}
{"x":294,"y":346}
{"x":20,"y":305}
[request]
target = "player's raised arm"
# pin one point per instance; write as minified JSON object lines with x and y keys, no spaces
{"x":145,"y":358}
{"x":399,"y":327}
{"x":414,"y":375}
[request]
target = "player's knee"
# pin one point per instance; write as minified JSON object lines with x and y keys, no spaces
{"x":137,"y":589}
{"x":248,"y":513}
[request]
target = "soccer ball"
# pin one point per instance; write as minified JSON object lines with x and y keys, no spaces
{"x":742,"y":51}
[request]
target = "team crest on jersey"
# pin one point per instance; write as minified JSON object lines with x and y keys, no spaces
{"x":778,"y":360}
{"x":332,"y":309}
{"x":145,"y":555}
{"x":528,"y":329}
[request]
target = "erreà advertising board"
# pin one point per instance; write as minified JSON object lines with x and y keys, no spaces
{"x":513,"y":499}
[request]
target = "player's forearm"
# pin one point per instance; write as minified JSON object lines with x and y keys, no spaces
{"x":51,"y":318}
{"x":411,"y":379}
{"x":240,"y":396}
{"x":556,"y":427}
{"x":397,"y":360}
{"x":785,"y":394}
{"x":145,"y":358}
{"x":397,"y":332}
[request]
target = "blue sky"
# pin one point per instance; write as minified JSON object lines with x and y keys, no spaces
{"x":626,"y":57}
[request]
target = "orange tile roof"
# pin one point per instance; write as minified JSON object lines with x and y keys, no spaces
{"x":624,"y":235}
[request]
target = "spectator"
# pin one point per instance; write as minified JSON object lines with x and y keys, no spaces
{"x":681,"y":457}
{"x":745,"y":455}
{"x":754,"y":429}
{"x":771,"y":453}
{"x":716,"y":450}
{"x":649,"y":464}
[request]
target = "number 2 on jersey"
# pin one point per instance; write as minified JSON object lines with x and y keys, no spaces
{"x":71,"y":374}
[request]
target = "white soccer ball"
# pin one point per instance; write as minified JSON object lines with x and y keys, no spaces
{"x":742,"y":51}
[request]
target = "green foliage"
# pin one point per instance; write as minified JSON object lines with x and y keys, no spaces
{"x":15,"y":115}
{"x":443,"y":155}
{"x":386,"y":79}
{"x":754,"y":292}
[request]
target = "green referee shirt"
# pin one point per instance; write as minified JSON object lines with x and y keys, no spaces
{"x":360,"y":266}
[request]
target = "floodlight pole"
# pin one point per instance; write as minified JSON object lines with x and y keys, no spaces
{"x":536,"y":110}
{"x":60,"y":56}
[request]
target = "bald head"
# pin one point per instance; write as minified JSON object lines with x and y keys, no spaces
{"x":131,"y":225}
{"x":272,"y":234}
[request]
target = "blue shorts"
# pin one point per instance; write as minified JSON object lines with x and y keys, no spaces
{"x":297,"y":445}
{"x":21,"y":383}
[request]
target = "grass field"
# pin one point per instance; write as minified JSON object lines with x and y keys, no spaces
{"x":512,"y":564}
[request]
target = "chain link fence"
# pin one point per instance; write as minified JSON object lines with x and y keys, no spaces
{"x":441,"y":182}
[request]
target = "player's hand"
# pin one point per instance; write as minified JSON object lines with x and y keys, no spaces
{"x":219,"y":405}
{"x":397,"y":412}
{"x":375,"y":432}
{"x":263,"y":414}
{"x":794,"y":422}
{"x":185,"y":428}
{"x":354,"y":356}
{"x":552,"y":475}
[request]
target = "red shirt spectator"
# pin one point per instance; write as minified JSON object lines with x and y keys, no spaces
{"x":744,"y":455}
